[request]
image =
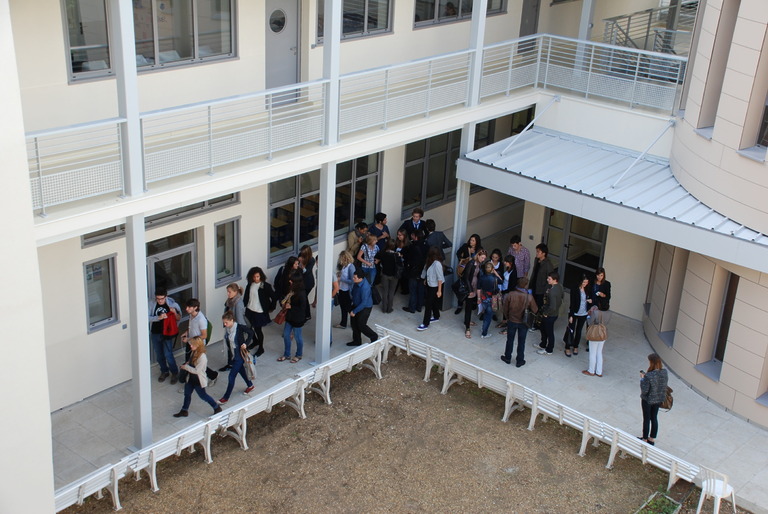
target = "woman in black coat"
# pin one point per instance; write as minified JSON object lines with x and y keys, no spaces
{"x":259,"y":299}
{"x":581,"y":302}
{"x":296,"y":303}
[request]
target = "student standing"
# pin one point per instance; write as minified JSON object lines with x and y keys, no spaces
{"x":653,"y":392}
{"x":259,"y":299}
{"x":434,"y":279}
{"x":159,"y":309}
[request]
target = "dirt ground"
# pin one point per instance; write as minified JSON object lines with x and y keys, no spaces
{"x":398,"y":445}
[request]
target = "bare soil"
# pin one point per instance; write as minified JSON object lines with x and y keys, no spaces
{"x":398,"y":445}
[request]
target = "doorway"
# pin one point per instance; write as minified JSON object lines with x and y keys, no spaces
{"x":529,"y":20}
{"x":576,"y":246}
{"x":282,"y":43}
{"x":172,"y":264}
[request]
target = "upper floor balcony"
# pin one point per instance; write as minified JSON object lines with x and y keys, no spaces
{"x":73,"y":166}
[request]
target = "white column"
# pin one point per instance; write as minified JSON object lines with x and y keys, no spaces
{"x":25,"y":436}
{"x":585,"y":22}
{"x":326,"y":263}
{"x":123,"y":52}
{"x":476,"y":42}
{"x":141,"y":386}
{"x":326,"y":260}
{"x":462,"y":193}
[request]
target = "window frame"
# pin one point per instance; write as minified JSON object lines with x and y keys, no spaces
{"x":237,"y":271}
{"x":194,"y":60}
{"x":320,"y":32}
{"x":114,"y":319}
{"x":278,"y":257}
{"x":460,"y":16}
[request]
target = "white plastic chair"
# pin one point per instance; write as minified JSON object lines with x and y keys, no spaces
{"x":716,"y":485}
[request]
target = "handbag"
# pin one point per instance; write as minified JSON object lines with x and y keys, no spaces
{"x":597,"y":332}
{"x":532,"y":319}
{"x":250,"y":371}
{"x":668,"y":400}
{"x":170,"y":325}
{"x":496,"y":301}
{"x":568,"y":336}
{"x":462,"y":266}
{"x":280,"y":318}
{"x":460,"y":289}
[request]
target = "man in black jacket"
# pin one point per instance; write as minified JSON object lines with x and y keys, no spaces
{"x":415,"y":258}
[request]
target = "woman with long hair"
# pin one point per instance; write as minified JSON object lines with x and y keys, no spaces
{"x":234,"y":304}
{"x":259,"y":299}
{"x":653,"y":392}
{"x":466,"y":255}
{"x":581,"y":302}
{"x":434,"y":279}
{"x":601,"y":297}
{"x":295,"y":302}
{"x":345,"y":270}
{"x":487,"y":286}
{"x":198,"y":380}
{"x":283,"y":277}
{"x":307,"y":265}
{"x":390,"y":261}
{"x":470,"y":277}
{"x":367,"y":257}
{"x":402,"y":240}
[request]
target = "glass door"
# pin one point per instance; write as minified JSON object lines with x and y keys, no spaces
{"x":576,"y":246}
{"x":172,"y":264}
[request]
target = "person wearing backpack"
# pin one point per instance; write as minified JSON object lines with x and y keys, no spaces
{"x":653,"y":391}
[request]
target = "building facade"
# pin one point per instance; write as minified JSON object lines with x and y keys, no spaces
{"x":178,"y":143}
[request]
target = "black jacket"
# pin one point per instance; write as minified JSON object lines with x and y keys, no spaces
{"x":573,"y":307}
{"x":267,"y":297}
{"x":297,"y":314}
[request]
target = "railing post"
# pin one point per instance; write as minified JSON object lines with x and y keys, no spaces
{"x":589,"y":72}
{"x":120,"y":152}
{"x":269,"y":126}
{"x":143,"y":143}
{"x":429,"y":90}
{"x":634,"y":84}
{"x":538,"y":59}
{"x":210,"y":142}
{"x":648,"y":31}
{"x":509,"y":69}
{"x":546,"y":69}
{"x":40,"y":177}
{"x":386,"y":99}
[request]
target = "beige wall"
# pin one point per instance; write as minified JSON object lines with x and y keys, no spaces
{"x":712,"y":169}
{"x":563,"y":19}
{"x":627,"y":262}
{"x":744,"y":371}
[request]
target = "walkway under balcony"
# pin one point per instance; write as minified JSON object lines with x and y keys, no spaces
{"x":97,"y":431}
{"x":78,"y":169}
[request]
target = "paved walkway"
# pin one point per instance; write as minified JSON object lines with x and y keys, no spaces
{"x":98,"y":430}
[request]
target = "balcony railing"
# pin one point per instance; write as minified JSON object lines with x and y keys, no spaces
{"x":641,"y":29}
{"x":74,"y":163}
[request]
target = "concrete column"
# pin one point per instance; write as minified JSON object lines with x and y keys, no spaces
{"x":326,"y":263}
{"x":331,"y":56}
{"x":141,"y":386}
{"x":123,"y":52}
{"x":585,"y":22}
{"x":25,"y":436}
{"x":476,"y":42}
{"x":462,"y":194}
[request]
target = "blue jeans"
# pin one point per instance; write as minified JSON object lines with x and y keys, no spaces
{"x":238,"y":368}
{"x":416,"y":291}
{"x":370,"y":274}
{"x":163,"y":346}
{"x":189,"y":387}
{"x":522,"y":332}
{"x":287,"y":340}
{"x":487,"y":315}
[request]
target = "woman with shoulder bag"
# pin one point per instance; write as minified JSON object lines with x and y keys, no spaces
{"x":653,"y":392}
{"x":601,"y":297}
{"x":197,"y":381}
{"x":236,"y":305}
{"x":259,"y":299}
{"x":346,"y":268}
{"x":294,"y":319}
{"x":581,"y":302}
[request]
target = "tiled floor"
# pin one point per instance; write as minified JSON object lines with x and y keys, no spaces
{"x":98,"y":430}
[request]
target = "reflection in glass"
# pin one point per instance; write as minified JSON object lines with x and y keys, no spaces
{"x":365,"y":199}
{"x":309,"y":181}
{"x":98,"y":285}
{"x":282,"y":190}
{"x":170,"y":242}
{"x":412,"y":187}
{"x":277,"y":21}
{"x":214,"y":27}
{"x":342,"y":212}
{"x":587,"y":228}
{"x":175,"y":35}
{"x":308,"y":222}
{"x":226,"y":250}
{"x":343,"y":172}
{"x":435,"y":178}
{"x":88,"y":39}
{"x":143,"y":29}
{"x":281,"y":230}
{"x":174,"y":273}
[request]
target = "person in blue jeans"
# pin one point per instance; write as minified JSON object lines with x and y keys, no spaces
{"x":487,"y":285}
{"x":198,"y":380}
{"x":160,"y":308}
{"x":237,"y":337}
{"x":295,"y":318}
{"x":515,"y":304}
{"x":362,"y":302}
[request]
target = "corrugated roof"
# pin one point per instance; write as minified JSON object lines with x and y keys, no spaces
{"x":591,"y":168}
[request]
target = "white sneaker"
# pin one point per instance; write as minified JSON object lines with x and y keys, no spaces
{"x":543,"y":352}
{"x":485,"y":336}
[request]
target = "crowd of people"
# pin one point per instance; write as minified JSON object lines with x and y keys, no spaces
{"x":520,"y":294}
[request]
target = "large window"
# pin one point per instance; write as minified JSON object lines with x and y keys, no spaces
{"x":100,"y":297}
{"x":429,"y":12}
{"x":295,"y":203}
{"x":359,"y":17}
{"x":227,"y":252}
{"x":167,"y":32}
{"x":430,"y":167}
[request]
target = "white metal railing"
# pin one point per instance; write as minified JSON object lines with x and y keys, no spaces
{"x":636,"y":30}
{"x":593,"y":70}
{"x":74,"y":163}
{"x":230,"y":423}
{"x":519,"y":397}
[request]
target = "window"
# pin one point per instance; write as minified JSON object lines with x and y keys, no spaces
{"x":430,"y":167}
{"x":762,"y":138}
{"x":167,"y":32}
{"x":729,"y":298}
{"x":441,"y":11}
{"x":155,"y":220}
{"x":227,"y":252}
{"x":100,"y":297}
{"x":295,"y":204}
{"x":359,"y":17}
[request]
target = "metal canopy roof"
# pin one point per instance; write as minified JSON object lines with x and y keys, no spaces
{"x":577,"y":175}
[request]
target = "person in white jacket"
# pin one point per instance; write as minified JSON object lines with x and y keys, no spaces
{"x":197,"y":381}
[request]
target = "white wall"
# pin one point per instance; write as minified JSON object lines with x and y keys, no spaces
{"x":25,"y":436}
{"x":627,"y":262}
{"x":563,"y":19}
